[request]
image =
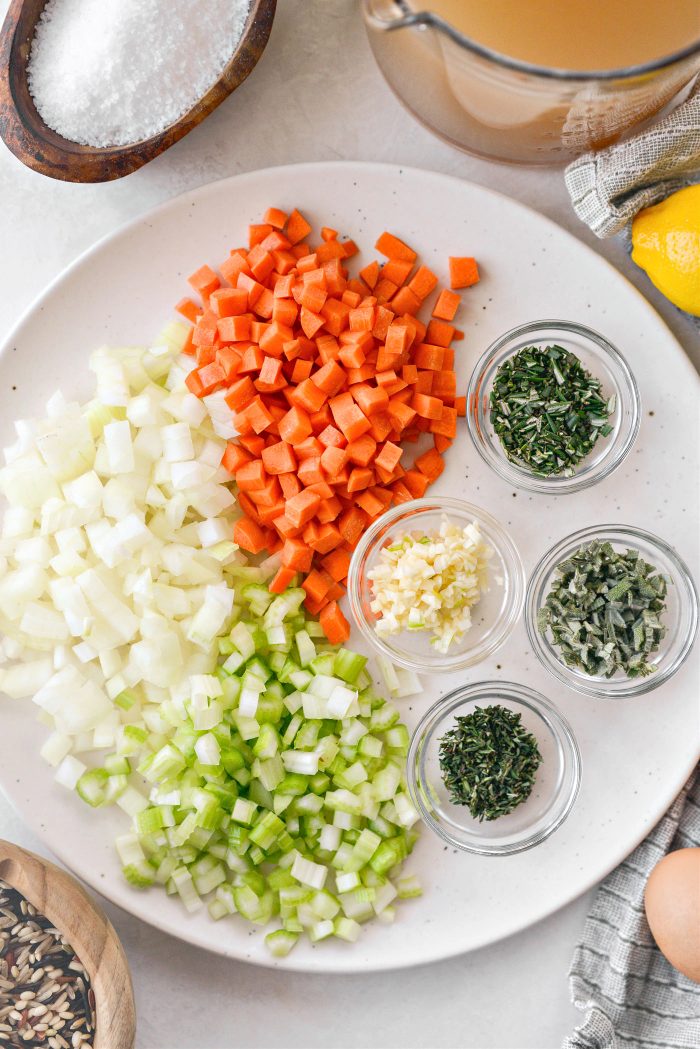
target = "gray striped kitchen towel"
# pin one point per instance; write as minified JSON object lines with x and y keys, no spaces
{"x":608,"y":188}
{"x":631,"y":995}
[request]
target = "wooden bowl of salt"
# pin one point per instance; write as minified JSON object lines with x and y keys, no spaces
{"x":39,"y":147}
{"x":55,"y":895}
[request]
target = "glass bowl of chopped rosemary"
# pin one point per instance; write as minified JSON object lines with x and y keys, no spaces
{"x":553,"y":407}
{"x":435,"y":585}
{"x":493,"y":768}
{"x":612,"y":611}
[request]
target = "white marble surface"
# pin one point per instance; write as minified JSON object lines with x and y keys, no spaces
{"x":319,"y":95}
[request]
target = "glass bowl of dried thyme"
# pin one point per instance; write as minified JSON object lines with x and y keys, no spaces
{"x":553,"y":407}
{"x":612,"y":611}
{"x":493,"y":768}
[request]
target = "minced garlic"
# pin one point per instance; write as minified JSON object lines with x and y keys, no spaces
{"x":430,"y":582}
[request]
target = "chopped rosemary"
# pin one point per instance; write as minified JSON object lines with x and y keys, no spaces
{"x":489,"y":761}
{"x":605,"y":611}
{"x":547,"y":410}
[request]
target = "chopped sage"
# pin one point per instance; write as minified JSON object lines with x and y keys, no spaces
{"x":547,"y":410}
{"x":605,"y":611}
{"x":489,"y":761}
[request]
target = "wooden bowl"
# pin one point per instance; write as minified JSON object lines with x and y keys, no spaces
{"x":58,"y":895}
{"x":40,"y":148}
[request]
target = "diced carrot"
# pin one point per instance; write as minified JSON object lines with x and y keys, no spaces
{"x":240,"y":394}
{"x":316,"y":585}
{"x":310,"y":471}
{"x":352,"y":524}
{"x":371,"y":399}
{"x":270,"y":372}
{"x":296,"y":555}
{"x":368,"y":501}
{"x":276,"y":218}
{"x":234,"y":329}
{"x":251,"y":476}
{"x":430,"y":464}
{"x":348,"y":417}
{"x":188,"y":309}
{"x":232,"y":268}
{"x":397,"y":271}
{"x":361,"y":452}
{"x":257,"y":232}
{"x":279,"y":458}
{"x":234,"y":456}
{"x":370,"y":274}
{"x":446,"y":305}
{"x":295,"y":426}
{"x":326,"y":538}
{"x":269,"y":495}
{"x":333,"y":460}
{"x":416,"y":482}
{"x":446,"y":425}
{"x":463,"y":272}
{"x":441,"y":443}
{"x":361,"y":318}
{"x":302,"y":370}
{"x":313,"y":297}
{"x":332,"y":437}
{"x":308,"y":396}
{"x":388,"y":456}
{"x":252,"y":443}
{"x":427,"y":407}
{"x":249,"y":535}
{"x":290,"y":485}
{"x":461,"y":406}
{"x":429,"y":357}
{"x":335,"y":625}
{"x":330,"y":378}
{"x":444,"y":385}
{"x":307,"y":448}
{"x":440,"y":333}
{"x":330,"y":249}
{"x":301,"y":508}
{"x":361,"y":477}
{"x":321,"y":419}
{"x":423,"y":282}
{"x":325,"y":381}
{"x":393,"y":248}
{"x":297,"y":227}
{"x":424,"y":382}
{"x":382,"y":425}
{"x":281,"y":580}
{"x":336,"y":564}
{"x":204,"y":281}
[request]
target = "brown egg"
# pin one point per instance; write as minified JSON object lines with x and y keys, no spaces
{"x":672,"y":902}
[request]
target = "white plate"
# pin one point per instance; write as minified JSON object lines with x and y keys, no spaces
{"x":636,"y":753}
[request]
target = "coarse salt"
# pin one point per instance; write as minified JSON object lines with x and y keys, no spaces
{"x":114,"y":72}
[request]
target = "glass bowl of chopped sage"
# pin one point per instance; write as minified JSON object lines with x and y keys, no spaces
{"x":612,"y":611}
{"x":493,"y":768}
{"x":553,"y":407}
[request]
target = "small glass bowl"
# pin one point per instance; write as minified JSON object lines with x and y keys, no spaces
{"x":553,"y":795}
{"x":680,"y":618}
{"x":493,"y":617}
{"x":602,"y":360}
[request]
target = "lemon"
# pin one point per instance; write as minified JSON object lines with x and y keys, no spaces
{"x":666,"y":245}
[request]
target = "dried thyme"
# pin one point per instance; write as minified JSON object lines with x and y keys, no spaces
{"x":489,"y":761}
{"x":45,"y":993}
{"x":547,"y":410}
{"x":605,"y":611}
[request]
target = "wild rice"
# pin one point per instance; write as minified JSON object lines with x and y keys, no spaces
{"x":45,"y":994}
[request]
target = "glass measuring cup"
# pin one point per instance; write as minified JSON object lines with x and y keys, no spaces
{"x":510,"y":110}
